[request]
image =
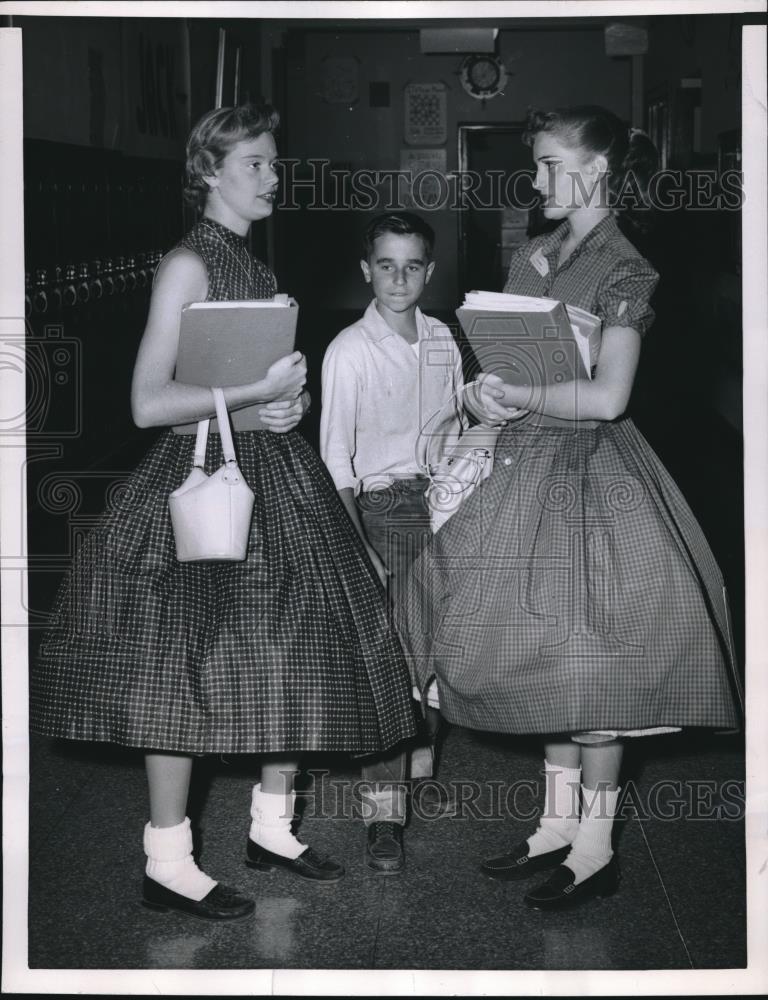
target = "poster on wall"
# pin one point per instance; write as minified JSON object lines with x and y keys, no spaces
{"x":340,"y":79}
{"x":426,"y":169}
{"x":425,"y":113}
{"x":155,"y":87}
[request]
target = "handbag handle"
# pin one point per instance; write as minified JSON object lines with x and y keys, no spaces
{"x":437,"y":418}
{"x":200,"y":442}
{"x":225,"y":432}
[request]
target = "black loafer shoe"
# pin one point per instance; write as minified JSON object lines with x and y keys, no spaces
{"x":432,"y":800}
{"x":518,"y":865}
{"x":559,"y":891}
{"x":384,"y":853}
{"x":308,"y":865}
{"x":221,"y":903}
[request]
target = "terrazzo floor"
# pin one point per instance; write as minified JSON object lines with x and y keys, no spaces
{"x":88,"y":808}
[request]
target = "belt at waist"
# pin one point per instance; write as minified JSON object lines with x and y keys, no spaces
{"x":387,"y":481}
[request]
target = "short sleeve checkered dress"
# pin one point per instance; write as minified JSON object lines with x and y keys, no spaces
{"x":574,"y":591}
{"x":290,"y":650}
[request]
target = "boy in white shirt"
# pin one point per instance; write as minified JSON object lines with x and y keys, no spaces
{"x":383,"y":378}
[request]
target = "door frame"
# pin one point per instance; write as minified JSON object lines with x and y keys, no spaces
{"x":463,"y":134}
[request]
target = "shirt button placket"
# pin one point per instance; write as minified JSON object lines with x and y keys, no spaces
{"x":549,"y":278}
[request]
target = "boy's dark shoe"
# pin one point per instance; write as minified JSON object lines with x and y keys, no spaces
{"x":384,"y":853}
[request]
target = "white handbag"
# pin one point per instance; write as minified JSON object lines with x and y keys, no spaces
{"x":464,"y":464}
{"x":211,"y":515}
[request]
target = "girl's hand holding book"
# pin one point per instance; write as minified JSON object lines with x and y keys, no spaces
{"x":483,"y":400}
{"x":286,"y":377}
{"x":282,"y":415}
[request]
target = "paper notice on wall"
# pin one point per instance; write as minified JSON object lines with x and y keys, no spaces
{"x":425,"y":170}
{"x":341,"y":79}
{"x":425,"y":113}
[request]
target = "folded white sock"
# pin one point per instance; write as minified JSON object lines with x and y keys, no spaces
{"x":591,"y":849}
{"x":559,"y":821}
{"x":271,"y":818}
{"x":170,"y":861}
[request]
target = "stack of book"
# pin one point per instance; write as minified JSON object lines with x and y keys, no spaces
{"x":530,"y":341}
{"x":234,"y":343}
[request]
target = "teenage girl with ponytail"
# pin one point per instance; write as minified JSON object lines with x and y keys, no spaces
{"x":573,"y":595}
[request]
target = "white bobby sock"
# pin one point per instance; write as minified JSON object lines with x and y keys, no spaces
{"x":271,"y":817}
{"x":591,"y":848}
{"x":559,"y":822}
{"x":170,"y":861}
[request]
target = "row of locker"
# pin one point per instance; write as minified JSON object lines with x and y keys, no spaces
{"x":65,"y":288}
{"x":93,"y":215}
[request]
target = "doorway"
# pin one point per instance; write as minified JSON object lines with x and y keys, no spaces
{"x":499,"y":210}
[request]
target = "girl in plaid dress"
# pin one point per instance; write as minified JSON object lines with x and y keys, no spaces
{"x":573,"y":593}
{"x":288,"y":651}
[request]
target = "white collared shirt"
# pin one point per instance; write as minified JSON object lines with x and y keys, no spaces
{"x":378,"y":395}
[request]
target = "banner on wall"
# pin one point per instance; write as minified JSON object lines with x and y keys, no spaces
{"x":156,"y":116}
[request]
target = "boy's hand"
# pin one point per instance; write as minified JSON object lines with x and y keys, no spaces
{"x":483,"y":400}
{"x":381,"y":570}
{"x":347,"y":497}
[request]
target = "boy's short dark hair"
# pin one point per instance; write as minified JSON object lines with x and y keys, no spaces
{"x":401,"y":224}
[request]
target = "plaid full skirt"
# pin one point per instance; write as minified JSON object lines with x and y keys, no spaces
{"x":290,"y":650}
{"x":573,"y":590}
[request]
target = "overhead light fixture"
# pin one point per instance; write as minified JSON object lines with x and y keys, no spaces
{"x":625,"y":40}
{"x":452,"y":40}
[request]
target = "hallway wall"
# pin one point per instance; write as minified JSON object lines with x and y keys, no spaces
{"x":546,"y":68}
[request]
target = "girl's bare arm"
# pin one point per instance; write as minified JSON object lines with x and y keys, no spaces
{"x":605,"y":397}
{"x":156,"y":398}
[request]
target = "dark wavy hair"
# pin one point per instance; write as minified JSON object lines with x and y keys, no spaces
{"x":401,"y":224}
{"x":594,"y":131}
{"x":215,"y":134}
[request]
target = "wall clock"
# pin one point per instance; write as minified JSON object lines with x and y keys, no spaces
{"x":483,"y":76}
